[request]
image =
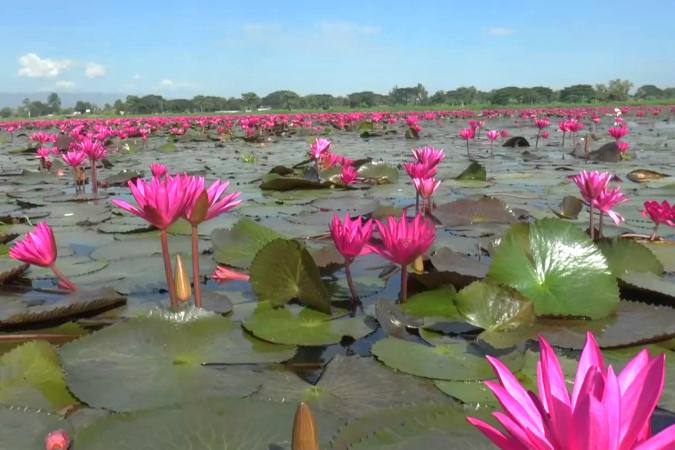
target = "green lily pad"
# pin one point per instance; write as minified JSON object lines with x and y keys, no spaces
{"x":284,"y":270}
{"x":152,"y":362}
{"x":31,"y":376}
{"x":435,"y":305}
{"x":650,"y":283}
{"x":625,"y":255}
{"x":26,"y":429}
{"x":34,"y":307}
{"x":450,"y":360}
{"x":295,"y":326}
{"x":569,"y":208}
{"x":378,"y":172}
{"x":213,"y":424}
{"x":554,"y":264}
{"x":350,"y":387}
{"x":425,"y":425}
{"x":475,"y":171}
{"x":238,"y":246}
{"x":493,"y":307}
{"x":665,"y":252}
{"x":275,"y":182}
{"x":468,"y":211}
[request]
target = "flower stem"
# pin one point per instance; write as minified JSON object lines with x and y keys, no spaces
{"x":170,"y":285}
{"x":653,"y":235}
{"x":417,"y":202}
{"x":602,"y":216}
{"x":590,"y":214}
{"x":536,"y":144}
{"x":492,"y":155}
{"x":468,"y":155}
{"x":318,"y":173}
{"x":195,"y":267}
{"x":63,"y":280}
{"x":404,"y":283}
{"x":350,"y":282}
{"x":94,"y":180}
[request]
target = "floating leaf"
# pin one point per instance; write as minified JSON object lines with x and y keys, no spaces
{"x":274,"y":182}
{"x":554,"y":264}
{"x":25,"y":429}
{"x":435,"y":305}
{"x":284,"y":270}
{"x":35,"y":307}
{"x":569,"y":208}
{"x":378,"y":172}
{"x":238,"y":246}
{"x":302,"y":327}
{"x":625,"y":255}
{"x":151,"y":362}
{"x":493,"y":307}
{"x":393,"y":320}
{"x":643,"y":175}
{"x":445,"y":260}
{"x":664,"y":250}
{"x":210,"y":424}
{"x":651,"y":283}
{"x":31,"y":376}
{"x":475,"y":171}
{"x":350,"y":387}
{"x":450,"y":360}
{"x":468,"y":211}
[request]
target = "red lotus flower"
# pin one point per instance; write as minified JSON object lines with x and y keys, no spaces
{"x":467,"y":133}
{"x":74,"y":158}
{"x":419,"y":170}
{"x":607,"y":200}
{"x":158,"y":170}
{"x":429,"y":155}
{"x":660,"y":213}
{"x":348,"y":175}
{"x":160,"y":202}
{"x":591,"y":183}
{"x":319,"y":146}
{"x":37,"y":247}
{"x":57,"y":440}
{"x":217,"y":203}
{"x":351,"y":237}
{"x":492,"y":135}
{"x":426,"y":186}
{"x":93,"y":148}
{"x":604,"y":410}
{"x":403,"y":241}
{"x":618,"y":132}
{"x":224,"y":275}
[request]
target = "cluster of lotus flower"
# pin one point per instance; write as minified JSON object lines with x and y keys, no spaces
{"x":161,"y":202}
{"x":473,"y":132}
{"x":324,"y":159}
{"x":596,"y":193}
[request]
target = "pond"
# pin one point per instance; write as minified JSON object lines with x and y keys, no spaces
{"x":116,"y":367}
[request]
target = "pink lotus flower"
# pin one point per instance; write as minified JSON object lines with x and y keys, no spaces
{"x":504,"y":133}
{"x":429,"y":155}
{"x":618,"y":132}
{"x":39,"y":249}
{"x":467,"y":133}
{"x":57,"y":440}
{"x":224,"y":275}
{"x":564,"y":126}
{"x":217,"y":203}
{"x":319,"y":146}
{"x":348,"y":175}
{"x":158,"y":170}
{"x":419,"y":170}
{"x":329,"y":160}
{"x":74,"y":158}
{"x":160,"y":202}
{"x":93,"y":149}
{"x":542,"y":123}
{"x":604,"y":411}
{"x":660,"y":213}
{"x":492,"y":135}
{"x":403,"y":242}
{"x":351,"y":237}
{"x":426,"y":186}
{"x":623,"y":147}
{"x":44,"y":152}
{"x":591,"y":183}
{"x":42,"y":138}
{"x":608,"y":199}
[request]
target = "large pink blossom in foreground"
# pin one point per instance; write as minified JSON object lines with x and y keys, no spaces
{"x":429,"y":155}
{"x":160,"y":202}
{"x":351,"y":236}
{"x":605,"y":411}
{"x":591,"y":183}
{"x":218,"y":203}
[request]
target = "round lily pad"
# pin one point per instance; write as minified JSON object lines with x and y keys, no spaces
{"x":435,"y":305}
{"x":211,"y":424}
{"x":151,"y":362}
{"x":625,"y":255}
{"x":284,"y":270}
{"x":493,"y":307}
{"x":295,"y":326}
{"x":31,"y":376}
{"x":238,"y":246}
{"x":554,"y":264}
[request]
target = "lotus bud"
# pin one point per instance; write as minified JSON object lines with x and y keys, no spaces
{"x":304,"y":429}
{"x":57,"y":440}
{"x":418,"y":264}
{"x":182,"y":281}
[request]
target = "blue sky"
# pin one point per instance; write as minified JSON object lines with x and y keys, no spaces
{"x":181,"y":48}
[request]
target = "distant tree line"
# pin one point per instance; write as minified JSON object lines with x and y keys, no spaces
{"x":616,"y":90}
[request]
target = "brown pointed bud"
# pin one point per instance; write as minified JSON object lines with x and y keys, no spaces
{"x":201,"y":208}
{"x":304,"y":429}
{"x":418,"y":264}
{"x":182,"y":281}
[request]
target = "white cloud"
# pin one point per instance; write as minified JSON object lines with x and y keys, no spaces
{"x":93,"y":70}
{"x":346,"y":28}
{"x":137,"y":76}
{"x":172,"y":85}
{"x":500,"y":31}
{"x":65,"y":85}
{"x":32,"y":66}
{"x":167,"y":83}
